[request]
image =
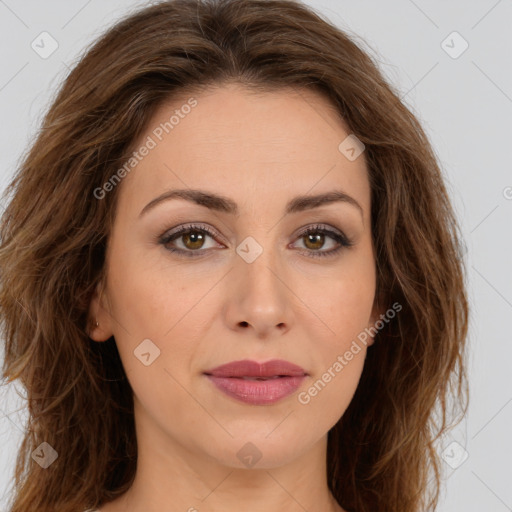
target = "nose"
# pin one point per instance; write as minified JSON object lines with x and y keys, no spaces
{"x":258,"y":296}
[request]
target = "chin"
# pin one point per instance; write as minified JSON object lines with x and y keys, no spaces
{"x":257,"y":451}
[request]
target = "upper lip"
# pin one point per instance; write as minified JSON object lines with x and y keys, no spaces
{"x":248,"y":368}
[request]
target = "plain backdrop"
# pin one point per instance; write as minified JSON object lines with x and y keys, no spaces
{"x":452,"y":63}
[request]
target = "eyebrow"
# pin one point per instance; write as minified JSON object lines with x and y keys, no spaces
{"x":224,"y":204}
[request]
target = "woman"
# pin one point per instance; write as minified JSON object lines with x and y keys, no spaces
{"x":230,"y":275}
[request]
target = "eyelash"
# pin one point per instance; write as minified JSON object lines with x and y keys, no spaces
{"x":318,"y":228}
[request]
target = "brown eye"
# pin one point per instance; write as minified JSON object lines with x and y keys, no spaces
{"x":314,"y":239}
{"x":314,"y":242}
{"x":193,"y":240}
{"x":188,"y":240}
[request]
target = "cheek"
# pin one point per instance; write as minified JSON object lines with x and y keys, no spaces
{"x":344,"y":308}
{"x":343,"y":304}
{"x":151,"y":295}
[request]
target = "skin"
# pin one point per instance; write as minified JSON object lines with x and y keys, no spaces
{"x":260,"y":150}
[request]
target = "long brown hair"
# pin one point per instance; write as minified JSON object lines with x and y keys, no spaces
{"x":381,"y":453}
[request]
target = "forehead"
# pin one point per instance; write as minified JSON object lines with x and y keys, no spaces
{"x":245,"y":144}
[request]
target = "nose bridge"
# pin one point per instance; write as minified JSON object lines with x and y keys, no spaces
{"x":259,"y":260}
{"x":260,"y":292}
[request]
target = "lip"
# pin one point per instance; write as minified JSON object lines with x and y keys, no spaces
{"x":277,"y":379}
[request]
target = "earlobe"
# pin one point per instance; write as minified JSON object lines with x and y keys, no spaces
{"x":93,"y":330}
{"x":376,"y":314}
{"x":99,"y":328}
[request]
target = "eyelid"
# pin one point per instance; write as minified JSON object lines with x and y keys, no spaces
{"x":185,"y":228}
{"x":334,"y":233}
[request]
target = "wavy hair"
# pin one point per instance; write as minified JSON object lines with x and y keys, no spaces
{"x":381,"y":454}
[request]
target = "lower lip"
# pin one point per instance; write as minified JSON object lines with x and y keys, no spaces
{"x":257,"y":392}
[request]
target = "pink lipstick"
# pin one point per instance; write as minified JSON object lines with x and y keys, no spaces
{"x":255,"y":383}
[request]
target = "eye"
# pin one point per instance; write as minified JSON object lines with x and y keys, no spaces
{"x":314,"y":238}
{"x":193,"y":236}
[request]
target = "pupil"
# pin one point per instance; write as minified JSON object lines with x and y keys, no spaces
{"x":317,"y":240}
{"x":195,"y":237}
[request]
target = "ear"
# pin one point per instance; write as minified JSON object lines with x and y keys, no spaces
{"x":375,"y":315}
{"x":99,"y":311}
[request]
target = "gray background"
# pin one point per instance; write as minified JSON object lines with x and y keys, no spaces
{"x":465,"y":105}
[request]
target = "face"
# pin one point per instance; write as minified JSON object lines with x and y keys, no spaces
{"x":258,"y":276}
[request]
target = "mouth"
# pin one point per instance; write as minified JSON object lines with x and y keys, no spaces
{"x":257,"y":384}
{"x":260,"y":378}
{"x":246,"y":368}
